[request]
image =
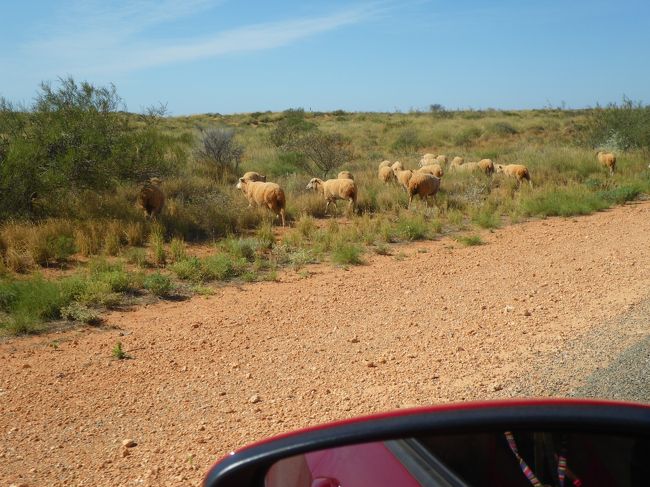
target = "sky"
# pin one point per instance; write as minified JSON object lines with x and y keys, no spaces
{"x":236,"y":56}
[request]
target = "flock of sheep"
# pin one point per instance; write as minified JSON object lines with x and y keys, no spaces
{"x":424,"y":182}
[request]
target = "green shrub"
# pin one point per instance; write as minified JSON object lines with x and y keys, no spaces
{"x":566,"y":201}
{"x":158,"y":284}
{"x":347,"y":253}
{"x":470,"y":240}
{"x":412,"y":228}
{"x":81,"y":313}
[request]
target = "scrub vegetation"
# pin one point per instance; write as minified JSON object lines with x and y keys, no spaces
{"x":73,"y":241}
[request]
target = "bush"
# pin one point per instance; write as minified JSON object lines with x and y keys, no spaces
{"x":407,"y":141}
{"x":74,"y":138}
{"x":158,"y":284}
{"x":220,"y":151}
{"x":347,"y":253}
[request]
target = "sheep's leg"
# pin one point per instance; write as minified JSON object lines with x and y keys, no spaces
{"x":410,"y":199}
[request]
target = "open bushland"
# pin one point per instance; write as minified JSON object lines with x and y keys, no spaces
{"x":74,"y":242}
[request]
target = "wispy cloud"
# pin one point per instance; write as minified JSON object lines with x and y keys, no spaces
{"x":113,"y":39}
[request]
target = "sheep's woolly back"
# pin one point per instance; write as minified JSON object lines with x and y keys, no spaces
{"x":345,"y":175}
{"x":266,"y":195}
{"x":384,"y":164}
{"x":458,"y":161}
{"x":151,"y":198}
{"x":386,"y":174}
{"x":467,"y":167}
{"x":607,"y":159}
{"x":397,"y":166}
{"x":424,"y":185}
{"x":427,"y":159}
{"x":518,"y":171}
{"x":433,"y":169}
{"x":487,"y":166}
{"x":403,"y":177}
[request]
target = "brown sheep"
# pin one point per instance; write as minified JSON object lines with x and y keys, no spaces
{"x":433,"y":169}
{"x":335,"y":189}
{"x":345,"y":175}
{"x":397,"y":166}
{"x":458,"y":161}
{"x":254,"y":176}
{"x":151,"y":198}
{"x":260,"y":193}
{"x":487,"y":166}
{"x":518,"y":171}
{"x":608,"y":160}
{"x":403,"y":177}
{"x":386,"y":174}
{"x":424,"y":185}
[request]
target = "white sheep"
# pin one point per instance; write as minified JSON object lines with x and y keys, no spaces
{"x":517,"y":171}
{"x":427,"y":159}
{"x":384,"y":164}
{"x":442,"y":159}
{"x":433,"y":169}
{"x":254,"y":176}
{"x":263,"y":194}
{"x":607,"y":159}
{"x":335,"y":189}
{"x":386,"y":174}
{"x":467,"y":167}
{"x":397,"y":166}
{"x":424,"y":185}
{"x":403,"y":177}
{"x":345,"y":175}
{"x":458,"y":161}
{"x":487,"y":166}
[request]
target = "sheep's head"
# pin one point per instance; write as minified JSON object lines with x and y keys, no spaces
{"x":314,"y":183}
{"x":498,"y":168}
{"x":241,"y":183}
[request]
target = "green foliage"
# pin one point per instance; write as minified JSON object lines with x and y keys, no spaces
{"x":292,"y":126}
{"x":412,"y":228}
{"x":81,"y":313}
{"x":220,"y":152}
{"x":470,"y":240}
{"x":566,"y":201}
{"x":408,"y":140}
{"x":74,"y":138}
{"x":158,"y":284}
{"x":118,"y":352}
{"x":620,"y":127}
{"x":323,"y":151}
{"x":347,"y":253}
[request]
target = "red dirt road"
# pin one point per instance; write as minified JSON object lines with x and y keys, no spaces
{"x":445,"y":323}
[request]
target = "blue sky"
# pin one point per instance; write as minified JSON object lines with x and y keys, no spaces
{"x":231,"y":56}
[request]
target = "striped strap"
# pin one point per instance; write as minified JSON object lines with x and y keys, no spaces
{"x":522,"y":464}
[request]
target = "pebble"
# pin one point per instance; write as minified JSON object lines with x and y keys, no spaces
{"x":129,"y":443}
{"x":508,"y":309}
{"x":254,"y":399}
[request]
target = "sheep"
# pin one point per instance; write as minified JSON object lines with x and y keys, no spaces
{"x":345,"y":175}
{"x":424,"y":185}
{"x":458,"y":161}
{"x":608,"y":160}
{"x":397,"y":166}
{"x":487,"y":166}
{"x":427,"y":159}
{"x":386,"y":174}
{"x":433,"y":169}
{"x":442,"y":159}
{"x":151,"y":198}
{"x":384,"y":164}
{"x":260,"y":193}
{"x":254,"y":176}
{"x":467,"y":167}
{"x":518,"y":171}
{"x":335,"y":189}
{"x":403,"y":177}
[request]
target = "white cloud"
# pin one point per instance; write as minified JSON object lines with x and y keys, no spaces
{"x":109,"y":39}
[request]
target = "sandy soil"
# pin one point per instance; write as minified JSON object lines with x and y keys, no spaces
{"x":444,"y":323}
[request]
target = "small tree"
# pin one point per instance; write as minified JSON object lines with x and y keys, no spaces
{"x":219,"y":149}
{"x":324,"y":151}
{"x":292,"y":126}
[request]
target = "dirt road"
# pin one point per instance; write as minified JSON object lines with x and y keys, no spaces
{"x":535,"y":311}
